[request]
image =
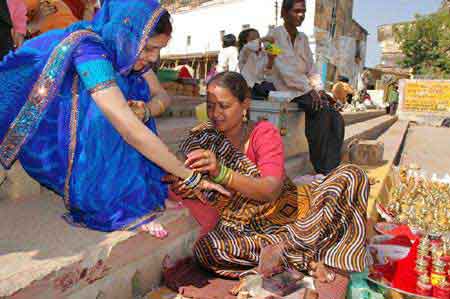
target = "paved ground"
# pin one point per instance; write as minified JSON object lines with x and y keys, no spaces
{"x":173,"y":130}
{"x":428,"y":147}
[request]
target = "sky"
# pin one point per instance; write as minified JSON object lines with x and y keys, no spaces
{"x":373,"y":13}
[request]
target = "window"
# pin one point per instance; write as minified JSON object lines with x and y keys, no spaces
{"x":358,"y":49}
{"x":246,"y":26}
{"x":188,"y":40}
{"x":222,"y":34}
{"x":333,"y":22}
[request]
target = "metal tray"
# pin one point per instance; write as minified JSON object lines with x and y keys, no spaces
{"x":393,"y":293}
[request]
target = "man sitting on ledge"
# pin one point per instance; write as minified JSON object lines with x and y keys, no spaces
{"x":294,"y":70}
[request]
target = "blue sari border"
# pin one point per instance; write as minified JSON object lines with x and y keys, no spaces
{"x":43,"y":92}
{"x":73,"y":140}
{"x":133,"y":226}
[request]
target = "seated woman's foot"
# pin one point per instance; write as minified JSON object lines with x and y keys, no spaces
{"x":321,"y":272}
{"x":155,"y":229}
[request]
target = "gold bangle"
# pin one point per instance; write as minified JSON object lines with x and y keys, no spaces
{"x":161,"y":106}
{"x":230,"y":178}
{"x":147,"y":113}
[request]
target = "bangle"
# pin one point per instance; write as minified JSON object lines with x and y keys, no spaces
{"x":161,"y":106}
{"x":222,"y":174}
{"x":147,"y":113}
{"x":193,"y":180}
{"x":227,"y":178}
{"x":230,"y":178}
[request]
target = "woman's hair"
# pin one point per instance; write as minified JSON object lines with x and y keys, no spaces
{"x":229,"y":40}
{"x":242,"y":39}
{"x":234,"y":82}
{"x":164,"y":26}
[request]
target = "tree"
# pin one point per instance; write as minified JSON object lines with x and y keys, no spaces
{"x":425,"y":44}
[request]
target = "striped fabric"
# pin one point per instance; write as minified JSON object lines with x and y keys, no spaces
{"x":240,"y":212}
{"x":330,"y":226}
{"x":334,"y":230}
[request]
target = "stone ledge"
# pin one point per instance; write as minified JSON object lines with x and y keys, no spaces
{"x":355,"y":117}
{"x":393,"y":140}
{"x":369,"y":129}
{"x":44,"y":257}
{"x":300,"y":164}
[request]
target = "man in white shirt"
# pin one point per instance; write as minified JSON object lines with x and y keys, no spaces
{"x":228,"y":56}
{"x":294,"y":70}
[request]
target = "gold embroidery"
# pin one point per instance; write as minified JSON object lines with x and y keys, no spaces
{"x":146,"y":32}
{"x":73,"y":140}
{"x":147,"y":218}
{"x":44,"y":90}
{"x":103,"y":85}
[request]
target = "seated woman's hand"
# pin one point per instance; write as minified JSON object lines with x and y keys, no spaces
{"x":178,"y":187}
{"x":203,"y":161}
{"x":139,"y":109}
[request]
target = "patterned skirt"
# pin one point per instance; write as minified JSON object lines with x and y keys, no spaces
{"x":333,"y":231}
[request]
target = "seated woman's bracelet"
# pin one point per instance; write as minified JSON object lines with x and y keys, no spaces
{"x":161,"y":105}
{"x":220,"y":178}
{"x":147,"y":113}
{"x":225,"y":176}
{"x":193,"y":180}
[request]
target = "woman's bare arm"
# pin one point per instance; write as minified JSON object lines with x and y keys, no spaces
{"x":158,"y":94}
{"x":113,"y":104}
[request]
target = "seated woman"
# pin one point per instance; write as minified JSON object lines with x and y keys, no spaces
{"x":323,"y":223}
{"x":65,"y":114}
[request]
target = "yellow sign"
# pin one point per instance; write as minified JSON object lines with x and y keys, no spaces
{"x":427,"y":96}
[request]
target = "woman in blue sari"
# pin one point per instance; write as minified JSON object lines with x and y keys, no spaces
{"x":64,"y":114}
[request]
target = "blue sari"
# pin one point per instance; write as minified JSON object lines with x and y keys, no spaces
{"x":49,"y":121}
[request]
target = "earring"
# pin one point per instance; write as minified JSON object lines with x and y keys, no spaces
{"x":244,"y":117}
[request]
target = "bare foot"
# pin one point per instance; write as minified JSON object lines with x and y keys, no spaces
{"x":236,"y":289}
{"x":322,"y":272}
{"x":155,"y":229}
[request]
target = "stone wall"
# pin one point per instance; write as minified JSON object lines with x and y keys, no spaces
{"x":340,"y":40}
{"x":390,"y":50}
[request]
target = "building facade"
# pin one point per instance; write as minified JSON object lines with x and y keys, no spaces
{"x":339,"y":42}
{"x":391,"y":54}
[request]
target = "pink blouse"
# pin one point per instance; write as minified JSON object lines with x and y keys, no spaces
{"x":18,"y":13}
{"x":266,"y":150}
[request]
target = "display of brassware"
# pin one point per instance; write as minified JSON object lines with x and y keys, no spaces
{"x":393,"y":293}
{"x":421,"y":202}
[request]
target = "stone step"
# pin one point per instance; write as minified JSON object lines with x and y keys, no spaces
{"x":44,"y":257}
{"x":369,"y":129}
{"x":429,"y":148}
{"x":356,"y":117}
{"x":182,"y":106}
{"x":174,"y":129}
{"x":393,"y":140}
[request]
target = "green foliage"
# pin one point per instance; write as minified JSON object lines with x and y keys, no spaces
{"x":426,"y":44}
